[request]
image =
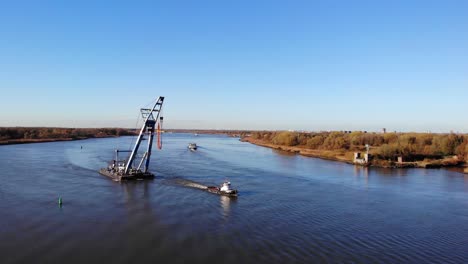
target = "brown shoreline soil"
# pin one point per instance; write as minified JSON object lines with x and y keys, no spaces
{"x":29,"y":141}
{"x":348,"y":156}
{"x":343,"y":156}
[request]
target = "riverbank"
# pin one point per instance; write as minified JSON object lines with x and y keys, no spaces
{"x":27,"y":135}
{"x":342,"y":156}
{"x":28,"y":141}
{"x":348,"y":156}
{"x":43,"y":140}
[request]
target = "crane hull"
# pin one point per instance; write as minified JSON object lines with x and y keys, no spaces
{"x":116,"y":176}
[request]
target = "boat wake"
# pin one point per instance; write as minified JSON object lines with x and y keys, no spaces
{"x":77,"y":167}
{"x":190,"y":184}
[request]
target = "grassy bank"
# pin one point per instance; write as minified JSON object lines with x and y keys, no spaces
{"x":338,"y":155}
{"x":422,"y":150}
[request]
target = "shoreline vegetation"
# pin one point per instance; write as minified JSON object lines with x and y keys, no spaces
{"x":387,"y":150}
{"x":25,"y":135}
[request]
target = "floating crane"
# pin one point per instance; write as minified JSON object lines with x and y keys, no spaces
{"x":120,"y":170}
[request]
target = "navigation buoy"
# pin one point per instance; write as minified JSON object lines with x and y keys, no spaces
{"x":60,"y":201}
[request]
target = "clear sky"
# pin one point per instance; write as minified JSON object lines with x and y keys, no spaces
{"x":304,"y":65}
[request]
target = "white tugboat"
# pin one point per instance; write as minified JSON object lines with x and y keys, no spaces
{"x":224,"y":189}
{"x":120,"y":170}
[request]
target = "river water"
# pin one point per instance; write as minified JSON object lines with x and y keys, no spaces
{"x":291,"y":209}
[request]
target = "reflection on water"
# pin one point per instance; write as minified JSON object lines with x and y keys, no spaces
{"x":284,"y":152}
{"x":393,"y":171}
{"x":226,"y":204}
{"x":136,"y":190}
{"x":291,"y":209}
{"x":361,"y":171}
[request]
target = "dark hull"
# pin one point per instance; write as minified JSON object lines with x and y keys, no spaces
{"x":126,"y":177}
{"x":216,"y":190}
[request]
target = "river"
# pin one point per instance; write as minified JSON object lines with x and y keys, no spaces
{"x":291,"y":209}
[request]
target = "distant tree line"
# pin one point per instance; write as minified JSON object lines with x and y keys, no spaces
{"x":388,"y":145}
{"x":10,"y":133}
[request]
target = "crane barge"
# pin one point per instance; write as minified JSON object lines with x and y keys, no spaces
{"x":120,"y":170}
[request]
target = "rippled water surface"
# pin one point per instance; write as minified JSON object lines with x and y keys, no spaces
{"x":291,"y":209}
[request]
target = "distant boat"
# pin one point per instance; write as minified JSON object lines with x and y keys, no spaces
{"x":192,"y":146}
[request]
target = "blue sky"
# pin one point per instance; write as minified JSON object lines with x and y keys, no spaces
{"x":304,"y":65}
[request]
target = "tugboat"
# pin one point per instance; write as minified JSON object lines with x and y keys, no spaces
{"x":192,"y":146}
{"x":120,"y":170}
{"x":224,"y":189}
